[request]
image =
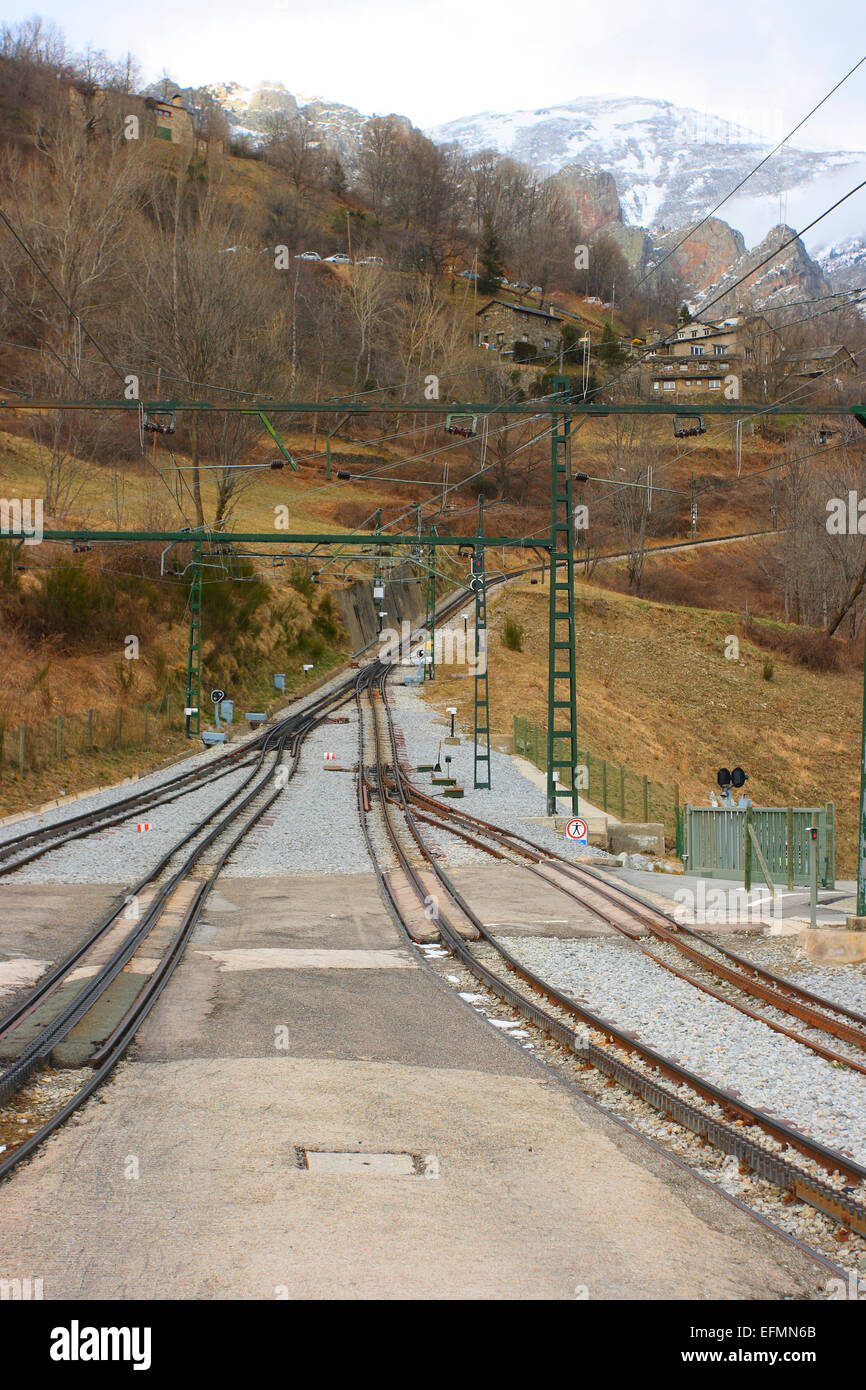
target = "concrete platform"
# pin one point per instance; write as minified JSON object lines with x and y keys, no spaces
{"x":258,"y":1049}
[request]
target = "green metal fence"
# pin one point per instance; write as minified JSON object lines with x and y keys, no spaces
{"x":36,"y":745}
{"x":715,"y":842}
{"x":609,"y":785}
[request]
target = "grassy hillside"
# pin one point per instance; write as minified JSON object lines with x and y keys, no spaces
{"x":657,"y":693}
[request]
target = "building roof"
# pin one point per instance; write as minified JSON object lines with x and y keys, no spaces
{"x":520,"y":309}
{"x":820,"y":353}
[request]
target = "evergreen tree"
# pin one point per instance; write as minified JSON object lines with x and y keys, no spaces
{"x":490,"y":256}
{"x":337,"y":178}
{"x":609,"y":351}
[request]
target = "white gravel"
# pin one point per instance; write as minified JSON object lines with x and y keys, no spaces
{"x":768,"y":1070}
{"x":313,"y":828}
{"x":107,"y":796}
{"x":844,"y":984}
{"x":511,"y":800}
{"x":122,"y":854}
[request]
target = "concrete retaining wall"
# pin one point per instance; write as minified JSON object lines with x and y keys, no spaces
{"x":404,"y":599}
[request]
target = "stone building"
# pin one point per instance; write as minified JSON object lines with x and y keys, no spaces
{"x":833,"y":360}
{"x":172,"y":120}
{"x":500,"y":325}
{"x":701,"y":357}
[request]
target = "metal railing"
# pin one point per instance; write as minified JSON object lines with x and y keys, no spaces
{"x":715,"y":841}
{"x":630,"y":796}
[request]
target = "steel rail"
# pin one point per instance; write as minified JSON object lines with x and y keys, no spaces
{"x":776,"y":990}
{"x":52,"y":981}
{"x":116,"y":1045}
{"x":103,"y":817}
{"x":290,"y":729}
{"x":632,"y":934}
{"x":779,"y":1170}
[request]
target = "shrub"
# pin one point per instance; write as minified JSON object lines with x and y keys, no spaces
{"x":303,"y":583}
{"x":525,"y":352}
{"x":325,"y":620}
{"x":810,"y":647}
{"x":512,"y":635}
{"x":90,"y":608}
{"x":768,"y":669}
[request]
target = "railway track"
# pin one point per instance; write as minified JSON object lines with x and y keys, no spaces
{"x":634,"y":919}
{"x":831,"y":1181}
{"x":19,"y":850}
{"x":99,"y":996}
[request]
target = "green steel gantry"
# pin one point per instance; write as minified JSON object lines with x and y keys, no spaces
{"x":562,"y":693}
{"x":561,"y":654}
{"x":430,"y":614}
{"x":481,"y":763}
{"x":193,"y":666}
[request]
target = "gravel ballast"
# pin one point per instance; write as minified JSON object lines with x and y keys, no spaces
{"x":512,"y":799}
{"x":121,"y":853}
{"x":313,"y":827}
{"x":744,"y":1056}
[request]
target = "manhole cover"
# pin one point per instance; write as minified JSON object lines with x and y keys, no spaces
{"x":340,"y":1163}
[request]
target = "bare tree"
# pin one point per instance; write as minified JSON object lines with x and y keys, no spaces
{"x":627,"y":457}
{"x":293,"y":144}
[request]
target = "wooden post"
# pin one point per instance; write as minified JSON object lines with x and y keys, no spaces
{"x":789,"y":838}
{"x":646,"y":800}
{"x":747,"y":851}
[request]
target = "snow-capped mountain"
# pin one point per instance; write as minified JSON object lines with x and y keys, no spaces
{"x":670,"y":164}
{"x":845,"y":264}
{"x":248,"y":111}
{"x":789,"y":275}
{"x":642,"y":170}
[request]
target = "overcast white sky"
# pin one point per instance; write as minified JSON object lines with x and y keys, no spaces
{"x":433,"y":60}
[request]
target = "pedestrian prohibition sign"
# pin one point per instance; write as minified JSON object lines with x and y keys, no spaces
{"x":576,"y":830}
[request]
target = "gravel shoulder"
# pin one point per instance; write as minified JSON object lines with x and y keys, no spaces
{"x":743,"y":1055}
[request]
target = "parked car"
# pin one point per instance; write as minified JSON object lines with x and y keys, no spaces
{"x":536,"y":289}
{"x":339,"y":259}
{"x":371,"y":260}
{"x":309,"y":256}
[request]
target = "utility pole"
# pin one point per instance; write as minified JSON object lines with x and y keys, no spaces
{"x":349,"y":233}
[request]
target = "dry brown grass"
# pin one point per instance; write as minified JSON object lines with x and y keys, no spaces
{"x":657,"y":693}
